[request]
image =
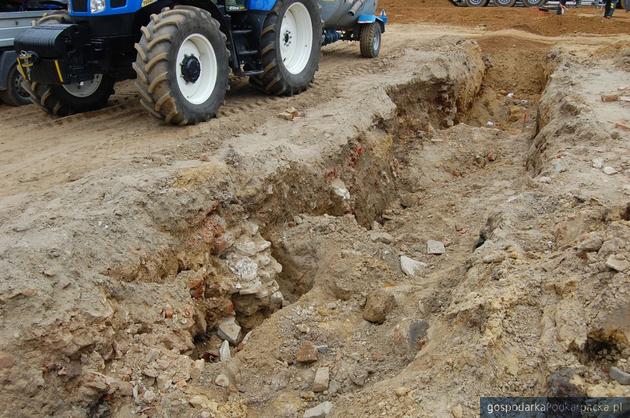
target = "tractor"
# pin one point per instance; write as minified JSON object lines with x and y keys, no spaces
{"x":15,"y":17}
{"x":181,"y":52}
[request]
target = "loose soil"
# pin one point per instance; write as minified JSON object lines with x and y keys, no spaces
{"x":505,"y":101}
{"x":576,"y":21}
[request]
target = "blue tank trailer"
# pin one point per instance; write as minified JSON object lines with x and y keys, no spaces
{"x":181,"y":52}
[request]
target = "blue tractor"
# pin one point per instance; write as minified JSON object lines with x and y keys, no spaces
{"x":180,"y":52}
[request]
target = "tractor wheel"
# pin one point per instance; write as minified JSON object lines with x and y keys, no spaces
{"x":67,"y":99}
{"x":476,"y":3}
{"x":534,"y":3}
{"x":15,"y":95}
{"x":182,"y":66}
{"x":505,"y":3}
{"x":290,"y":47}
{"x":370,"y":40}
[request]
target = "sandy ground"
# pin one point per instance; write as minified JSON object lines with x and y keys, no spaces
{"x":128,"y":249}
{"x":585,"y":20}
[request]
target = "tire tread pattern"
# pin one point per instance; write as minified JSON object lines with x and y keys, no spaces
{"x":481,"y":3}
{"x":151,"y":64}
{"x":271,"y":80}
{"x":11,"y":95}
{"x":366,"y":39}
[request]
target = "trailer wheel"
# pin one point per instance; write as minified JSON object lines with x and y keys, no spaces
{"x":370,"y":40}
{"x":534,"y":3}
{"x":67,"y":99}
{"x":505,"y":3}
{"x":182,"y":66}
{"x":290,"y":47}
{"x":476,"y":3}
{"x":15,"y":95}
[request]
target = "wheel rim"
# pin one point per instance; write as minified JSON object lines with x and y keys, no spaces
{"x":475,"y":2}
{"x":376,"y":43}
{"x":84,"y":88}
{"x":17,"y":82}
{"x":196,"y":69}
{"x":296,"y":38}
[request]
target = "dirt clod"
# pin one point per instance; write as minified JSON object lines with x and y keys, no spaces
{"x":307,"y":353}
{"x":320,"y":411}
{"x":457,"y":411}
{"x":378,"y":304}
{"x":435,"y":247}
{"x":620,"y":376}
{"x":409,"y":266}
{"x":617,"y":262}
{"x":229,"y":330}
{"x":222,"y":380}
{"x":321,"y":381}
{"x":610,"y":97}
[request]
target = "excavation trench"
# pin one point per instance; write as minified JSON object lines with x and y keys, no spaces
{"x":243,"y":269}
{"x":362,"y":180}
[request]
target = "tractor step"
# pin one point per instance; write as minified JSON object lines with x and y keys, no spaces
{"x":242,"y":31}
{"x":247,"y":52}
{"x":250,"y":73}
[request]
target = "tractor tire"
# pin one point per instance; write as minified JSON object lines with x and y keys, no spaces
{"x":290,"y":64}
{"x":182,"y":66}
{"x":476,"y":3}
{"x":370,"y":40}
{"x":505,"y":3}
{"x":64,"y":100}
{"x":15,"y":95}
{"x":534,"y":3}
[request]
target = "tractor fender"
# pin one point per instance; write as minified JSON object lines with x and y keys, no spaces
{"x":261,"y":5}
{"x":131,"y":6}
{"x":367,"y":19}
{"x":7,"y":60}
{"x":207,"y":5}
{"x":153,"y":6}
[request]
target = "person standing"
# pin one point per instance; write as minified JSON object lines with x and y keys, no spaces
{"x":609,"y":8}
{"x":562,"y":7}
